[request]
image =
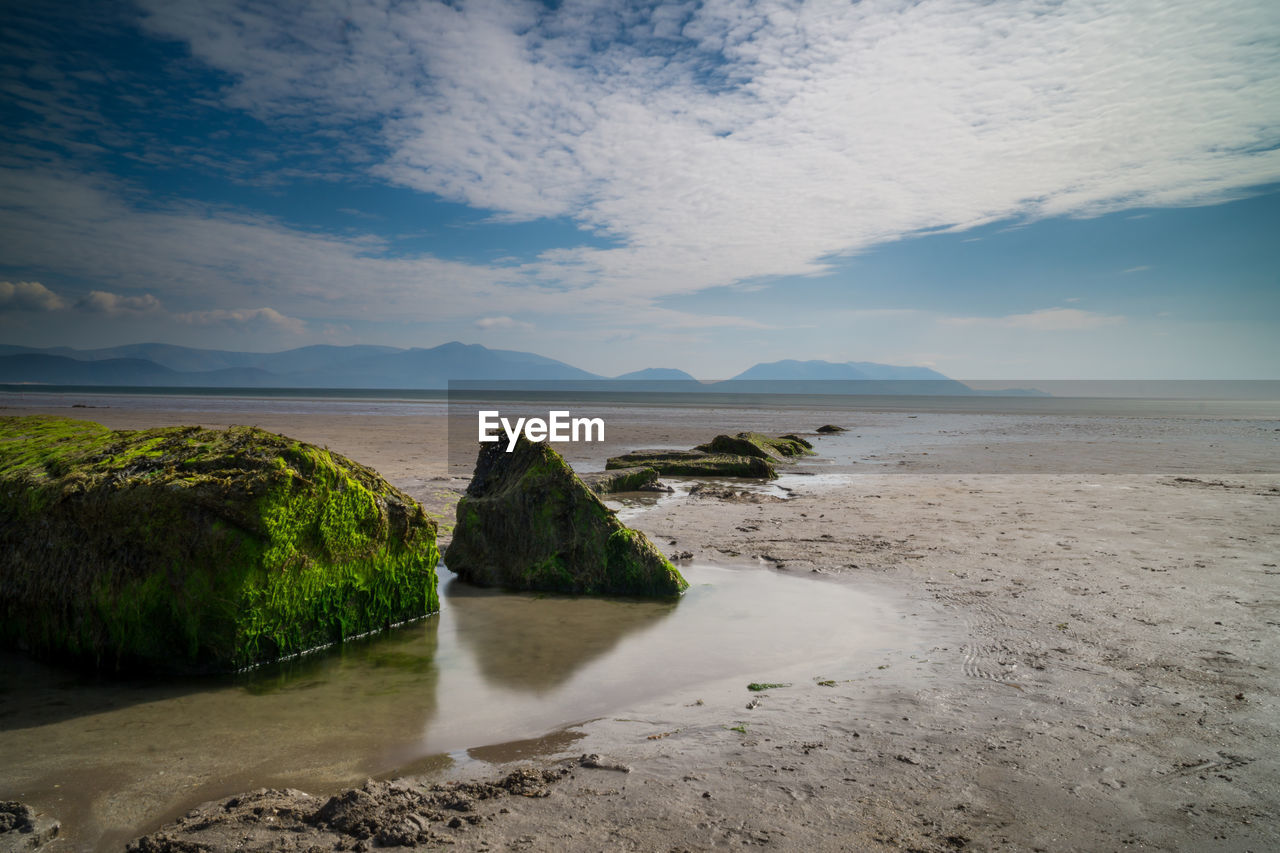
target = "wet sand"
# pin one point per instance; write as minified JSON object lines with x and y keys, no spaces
{"x":1099,"y":598}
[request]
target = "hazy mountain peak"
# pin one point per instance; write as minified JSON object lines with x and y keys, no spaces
{"x":658,"y":374}
{"x":816,"y":369}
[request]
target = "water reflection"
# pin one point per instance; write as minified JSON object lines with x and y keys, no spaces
{"x":486,"y":679}
{"x":104,"y":755}
{"x":536,"y":643}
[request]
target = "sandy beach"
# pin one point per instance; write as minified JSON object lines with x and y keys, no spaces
{"x":1084,"y":654}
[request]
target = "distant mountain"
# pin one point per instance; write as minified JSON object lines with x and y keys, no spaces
{"x":435,"y":367}
{"x":377,"y":367}
{"x":40,"y":368}
{"x":657,"y":374}
{"x":190,"y":359}
{"x":792,"y":369}
{"x":308,"y":367}
{"x":854,"y":377}
{"x":61,"y":370}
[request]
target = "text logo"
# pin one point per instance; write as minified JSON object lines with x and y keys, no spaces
{"x":558,"y":426}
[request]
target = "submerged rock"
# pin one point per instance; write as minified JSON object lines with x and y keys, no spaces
{"x":641,"y":479}
{"x":528,"y":522}
{"x":696,"y":463}
{"x":186,"y":549}
{"x":782,"y":448}
{"x":830,"y":428}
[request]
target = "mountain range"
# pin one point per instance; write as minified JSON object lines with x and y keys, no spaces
{"x":379,"y":367}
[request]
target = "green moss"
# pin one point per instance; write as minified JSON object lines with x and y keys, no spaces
{"x":528,"y":522}
{"x":629,"y":479}
{"x":782,"y":448}
{"x":188,"y":549}
{"x":758,"y":686}
{"x":695,"y":463}
{"x":796,"y":439}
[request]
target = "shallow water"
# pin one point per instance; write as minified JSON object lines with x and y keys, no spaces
{"x":488,"y":678}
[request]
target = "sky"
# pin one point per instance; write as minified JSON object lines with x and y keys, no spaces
{"x":993,"y":189}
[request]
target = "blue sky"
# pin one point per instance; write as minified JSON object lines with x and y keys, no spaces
{"x":995,"y":189}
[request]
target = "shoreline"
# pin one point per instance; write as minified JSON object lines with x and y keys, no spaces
{"x":1094,"y":631}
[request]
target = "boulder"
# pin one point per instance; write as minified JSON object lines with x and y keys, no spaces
{"x":184,"y":549}
{"x":528,"y":522}
{"x":783,"y":448}
{"x":641,"y":479}
{"x":800,"y":440}
{"x":695,"y":463}
{"x":830,"y":428}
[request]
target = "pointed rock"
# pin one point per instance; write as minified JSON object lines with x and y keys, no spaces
{"x":528,"y":522}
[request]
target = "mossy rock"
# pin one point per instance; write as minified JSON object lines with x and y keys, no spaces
{"x":696,"y":463}
{"x":642,"y":479}
{"x":759,"y":445}
{"x":184,"y":549}
{"x":528,"y":522}
{"x":827,"y":429}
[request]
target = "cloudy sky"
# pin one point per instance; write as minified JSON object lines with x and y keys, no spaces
{"x":994,"y":189}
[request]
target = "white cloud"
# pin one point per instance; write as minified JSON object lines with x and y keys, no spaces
{"x":216,"y":259}
{"x":718,"y":143}
{"x":103,"y":302}
{"x":28,"y":296}
{"x":501,"y":323}
{"x":243,"y":316}
{"x":210,"y":258}
{"x":1044,"y":320}
{"x":741,"y":139}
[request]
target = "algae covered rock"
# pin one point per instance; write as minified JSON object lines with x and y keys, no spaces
{"x":782,"y":448}
{"x":528,"y":522}
{"x":747,"y":454}
{"x":189,"y":549}
{"x":695,"y":463}
{"x":642,"y":479}
{"x":827,"y":429}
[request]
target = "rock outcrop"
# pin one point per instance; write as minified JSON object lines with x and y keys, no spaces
{"x":747,"y":454}
{"x":830,"y":428}
{"x":185,"y":549}
{"x":800,"y":440}
{"x":528,"y":522}
{"x":641,"y":479}
{"x":783,"y":448}
{"x":695,"y":463}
